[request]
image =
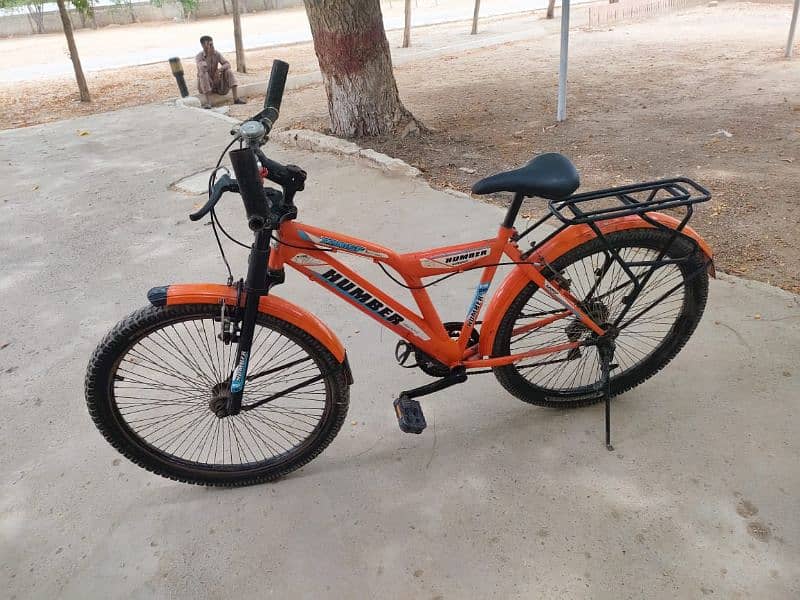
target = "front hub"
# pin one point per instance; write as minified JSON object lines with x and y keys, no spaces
{"x":220,"y":399}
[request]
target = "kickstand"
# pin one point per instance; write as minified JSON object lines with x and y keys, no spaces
{"x":606,"y":352}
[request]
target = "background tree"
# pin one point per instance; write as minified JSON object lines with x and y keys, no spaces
{"x":475,"y":17}
{"x":35,"y":12}
{"x":356,"y":68}
{"x":237,"y":37}
{"x":73,"y":52}
{"x":551,"y":7}
{"x":187,"y":6}
{"x":407,"y":26}
{"x":85,"y":8}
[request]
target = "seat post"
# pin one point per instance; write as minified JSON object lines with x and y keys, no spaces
{"x":513,"y":210}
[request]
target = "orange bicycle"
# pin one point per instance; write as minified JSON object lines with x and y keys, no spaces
{"x":231,"y":385}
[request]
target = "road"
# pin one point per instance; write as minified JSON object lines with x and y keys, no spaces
{"x":44,"y":56}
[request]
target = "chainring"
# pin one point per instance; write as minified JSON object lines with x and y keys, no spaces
{"x":431,"y":366}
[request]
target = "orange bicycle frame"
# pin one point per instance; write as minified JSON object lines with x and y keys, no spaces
{"x":310,"y":250}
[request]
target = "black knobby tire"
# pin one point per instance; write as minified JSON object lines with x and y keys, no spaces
{"x":158,"y":366}
{"x":643,"y":348}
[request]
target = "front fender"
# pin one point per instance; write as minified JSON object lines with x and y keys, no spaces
{"x":214,"y":293}
{"x":570,"y":238}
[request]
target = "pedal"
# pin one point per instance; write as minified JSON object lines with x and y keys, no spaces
{"x":409,"y":415}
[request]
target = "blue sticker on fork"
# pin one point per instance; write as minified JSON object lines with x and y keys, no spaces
{"x":239,"y":375}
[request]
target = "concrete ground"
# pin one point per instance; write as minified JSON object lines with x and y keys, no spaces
{"x":496,"y":499}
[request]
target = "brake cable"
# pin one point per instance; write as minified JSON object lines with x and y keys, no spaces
{"x":214,"y":219}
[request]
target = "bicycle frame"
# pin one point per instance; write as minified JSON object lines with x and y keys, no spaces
{"x":310,"y":251}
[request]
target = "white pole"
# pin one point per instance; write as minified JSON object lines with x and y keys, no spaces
{"x":790,"y":43}
{"x":561,"y":114}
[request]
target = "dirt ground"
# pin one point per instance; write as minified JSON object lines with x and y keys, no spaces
{"x":704,"y":93}
{"x":32,"y":102}
{"x":647,"y":100}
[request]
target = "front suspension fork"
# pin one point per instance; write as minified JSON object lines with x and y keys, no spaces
{"x":257,"y":285}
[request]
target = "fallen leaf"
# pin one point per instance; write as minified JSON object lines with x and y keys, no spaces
{"x":757,"y":317}
{"x":83,"y":132}
{"x":35,"y":187}
{"x":789,"y":160}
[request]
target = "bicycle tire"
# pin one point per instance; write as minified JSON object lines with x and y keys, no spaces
{"x":584,"y":389}
{"x":145,"y":335}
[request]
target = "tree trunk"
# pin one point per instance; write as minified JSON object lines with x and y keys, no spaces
{"x":237,"y":37}
{"x":224,"y":7}
{"x":36,"y":12}
{"x":356,"y":68}
{"x":475,"y":17}
{"x":551,"y":7}
{"x":131,"y":11}
{"x":73,"y":52}
{"x":407,"y":26}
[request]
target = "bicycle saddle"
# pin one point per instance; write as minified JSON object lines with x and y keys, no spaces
{"x":550,"y":176}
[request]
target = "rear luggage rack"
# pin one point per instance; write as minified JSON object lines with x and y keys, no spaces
{"x":636,"y":199}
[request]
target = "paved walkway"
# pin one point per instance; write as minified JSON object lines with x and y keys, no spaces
{"x":497,"y":499}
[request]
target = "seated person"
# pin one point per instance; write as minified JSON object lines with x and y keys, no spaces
{"x":214,"y":73}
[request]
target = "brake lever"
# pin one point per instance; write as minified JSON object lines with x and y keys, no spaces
{"x":222,"y":185}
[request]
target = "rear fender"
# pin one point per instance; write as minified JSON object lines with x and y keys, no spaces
{"x":212,"y":293}
{"x":570,"y":238}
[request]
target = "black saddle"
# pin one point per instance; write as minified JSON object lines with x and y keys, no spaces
{"x":550,"y":176}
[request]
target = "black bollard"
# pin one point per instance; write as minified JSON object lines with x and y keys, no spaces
{"x":177,"y":70}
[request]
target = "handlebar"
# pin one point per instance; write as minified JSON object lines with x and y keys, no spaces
{"x":248,"y":182}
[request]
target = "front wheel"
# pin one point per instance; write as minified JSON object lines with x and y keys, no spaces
{"x":572,"y":378}
{"x":153,"y":383}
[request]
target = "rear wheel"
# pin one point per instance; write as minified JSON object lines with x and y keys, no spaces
{"x":154,"y":382}
{"x":572,"y":378}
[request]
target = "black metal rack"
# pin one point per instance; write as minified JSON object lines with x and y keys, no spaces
{"x":634,"y":199}
{"x":629,"y":200}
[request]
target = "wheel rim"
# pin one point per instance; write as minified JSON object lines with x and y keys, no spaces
{"x":571,"y":373}
{"x":162,"y":386}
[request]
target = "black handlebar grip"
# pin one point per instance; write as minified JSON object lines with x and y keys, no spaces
{"x":277,"y":82}
{"x":251,"y":189}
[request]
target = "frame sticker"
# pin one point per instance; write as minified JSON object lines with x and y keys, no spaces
{"x":340,"y":245}
{"x":455,"y":259}
{"x":344,"y":287}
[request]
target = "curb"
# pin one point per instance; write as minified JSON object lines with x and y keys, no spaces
{"x":192,"y":103}
{"x":247,"y":90}
{"x":314,"y":141}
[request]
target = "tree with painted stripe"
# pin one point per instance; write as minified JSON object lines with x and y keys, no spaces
{"x":356,"y":65}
